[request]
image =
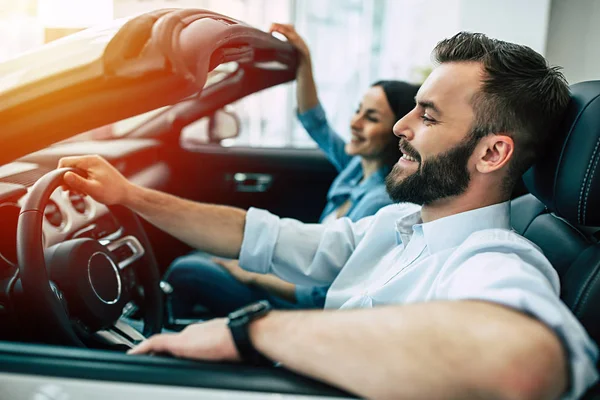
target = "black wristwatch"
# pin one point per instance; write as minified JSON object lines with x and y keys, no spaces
{"x":238,"y":323}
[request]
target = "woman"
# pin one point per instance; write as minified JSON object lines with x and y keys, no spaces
{"x":358,"y":191}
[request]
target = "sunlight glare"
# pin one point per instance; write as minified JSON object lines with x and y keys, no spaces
{"x":74,"y":13}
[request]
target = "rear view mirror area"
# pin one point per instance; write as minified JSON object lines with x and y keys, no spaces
{"x":223,"y":124}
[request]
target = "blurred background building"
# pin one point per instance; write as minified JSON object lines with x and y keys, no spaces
{"x":354,"y":42}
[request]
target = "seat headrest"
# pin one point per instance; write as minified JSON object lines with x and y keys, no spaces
{"x":566,"y":178}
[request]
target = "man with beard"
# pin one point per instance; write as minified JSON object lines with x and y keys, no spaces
{"x":477,"y":312}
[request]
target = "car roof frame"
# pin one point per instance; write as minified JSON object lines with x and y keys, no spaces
{"x":48,"y":118}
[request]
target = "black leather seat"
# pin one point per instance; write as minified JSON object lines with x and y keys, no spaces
{"x":566,"y":186}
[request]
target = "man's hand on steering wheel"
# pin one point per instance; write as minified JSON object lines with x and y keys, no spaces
{"x":103,"y":182}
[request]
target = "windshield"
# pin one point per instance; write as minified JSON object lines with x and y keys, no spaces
{"x":64,"y":54}
{"x":122,"y":128}
{"x":117,"y":129}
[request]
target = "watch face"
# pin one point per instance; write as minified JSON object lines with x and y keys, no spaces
{"x":256,"y":307}
{"x":251,"y":310}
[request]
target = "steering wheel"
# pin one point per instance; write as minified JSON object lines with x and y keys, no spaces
{"x":75,"y":289}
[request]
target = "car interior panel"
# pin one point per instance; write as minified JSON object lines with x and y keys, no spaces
{"x":49,"y":314}
{"x":118,"y":367}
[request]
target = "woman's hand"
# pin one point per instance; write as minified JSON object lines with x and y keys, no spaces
{"x":306,"y":91}
{"x":233,"y":267}
{"x":295,"y":40}
{"x":268,"y":282}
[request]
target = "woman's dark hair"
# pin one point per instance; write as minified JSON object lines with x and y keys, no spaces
{"x":401,"y":98}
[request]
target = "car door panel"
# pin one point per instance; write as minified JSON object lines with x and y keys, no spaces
{"x":21,"y":364}
{"x":287,"y":182}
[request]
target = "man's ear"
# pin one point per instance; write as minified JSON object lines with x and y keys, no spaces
{"x":494,"y":152}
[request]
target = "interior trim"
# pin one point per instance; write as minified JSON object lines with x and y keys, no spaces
{"x":100,"y":365}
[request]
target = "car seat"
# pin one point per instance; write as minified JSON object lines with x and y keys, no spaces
{"x":560,"y":214}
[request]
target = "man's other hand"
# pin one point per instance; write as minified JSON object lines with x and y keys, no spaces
{"x":209,"y":341}
{"x":103,"y":182}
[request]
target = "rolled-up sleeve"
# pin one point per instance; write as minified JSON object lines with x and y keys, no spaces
{"x":311,"y":296}
{"x":260,"y":236}
{"x":313,"y":119}
{"x":525,"y":281}
{"x":305,"y":254}
{"x":315,"y":123}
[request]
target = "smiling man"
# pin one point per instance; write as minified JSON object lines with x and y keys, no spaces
{"x":477,"y":312}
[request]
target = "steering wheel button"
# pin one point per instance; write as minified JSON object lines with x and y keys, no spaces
{"x":123,"y":252}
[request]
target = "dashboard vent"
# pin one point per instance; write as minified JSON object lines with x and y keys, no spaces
{"x":78,"y":202}
{"x":53,"y":214}
{"x":27,"y":178}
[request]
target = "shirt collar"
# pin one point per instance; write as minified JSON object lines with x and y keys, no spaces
{"x":405,"y":225}
{"x":451,"y":231}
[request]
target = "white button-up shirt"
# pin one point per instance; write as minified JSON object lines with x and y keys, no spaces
{"x":394,"y":258}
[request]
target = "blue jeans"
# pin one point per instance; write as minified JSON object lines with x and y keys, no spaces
{"x":196,"y":280}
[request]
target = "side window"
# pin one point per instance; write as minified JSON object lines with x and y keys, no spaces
{"x":344,"y":37}
{"x":266,"y":119}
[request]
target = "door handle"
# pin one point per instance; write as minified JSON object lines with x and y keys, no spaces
{"x":251,"y":182}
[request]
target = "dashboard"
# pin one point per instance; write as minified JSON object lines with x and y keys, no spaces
{"x":71,"y":215}
{"x":68,"y":214}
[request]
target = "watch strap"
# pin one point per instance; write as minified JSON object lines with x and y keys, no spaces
{"x":239,"y":322}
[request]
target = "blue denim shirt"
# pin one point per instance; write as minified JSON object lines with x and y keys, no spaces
{"x":366,"y":197}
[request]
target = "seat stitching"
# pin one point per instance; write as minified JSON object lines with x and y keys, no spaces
{"x":583,"y":184}
{"x":586,"y":290}
{"x":562,"y":153}
{"x":587,"y":192}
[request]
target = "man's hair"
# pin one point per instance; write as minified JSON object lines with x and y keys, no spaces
{"x":521,"y":95}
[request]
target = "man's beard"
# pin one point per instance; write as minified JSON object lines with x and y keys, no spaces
{"x":440,"y":177}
